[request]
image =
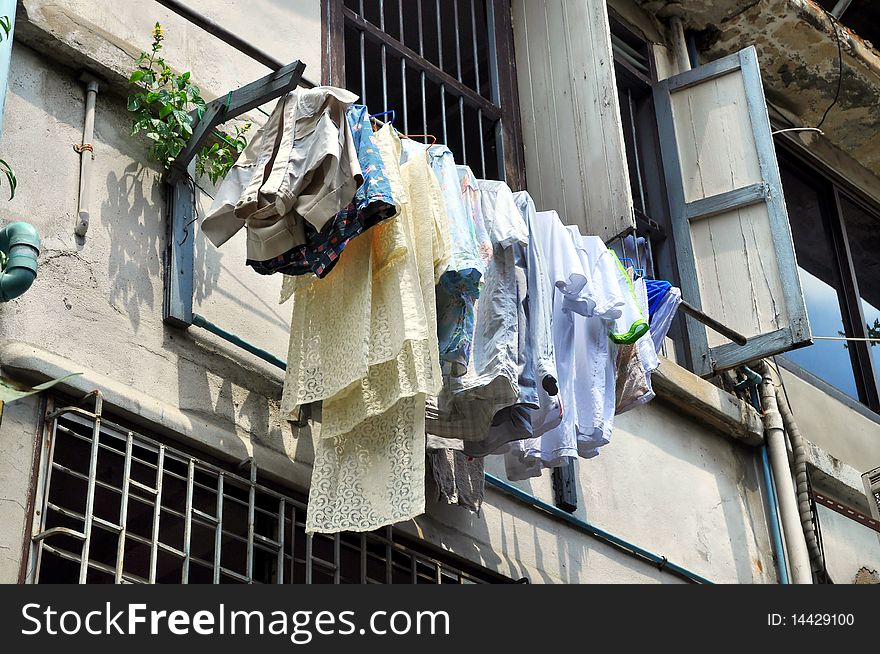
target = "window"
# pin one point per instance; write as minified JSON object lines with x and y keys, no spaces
{"x":120,"y":507}
{"x":442,"y":66}
{"x":836,"y":237}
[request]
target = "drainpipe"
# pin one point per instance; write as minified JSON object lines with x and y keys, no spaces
{"x":679,"y":45}
{"x":21,"y":243}
{"x":799,"y":451}
{"x":86,"y":156}
{"x":798,"y":555}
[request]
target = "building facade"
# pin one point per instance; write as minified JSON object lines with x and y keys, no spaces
{"x":181,"y":468}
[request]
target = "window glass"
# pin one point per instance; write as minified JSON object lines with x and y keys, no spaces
{"x":863,"y":232}
{"x":820,"y":279}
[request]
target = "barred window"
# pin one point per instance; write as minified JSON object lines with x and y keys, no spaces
{"x":116,"y":506}
{"x":444,"y":67}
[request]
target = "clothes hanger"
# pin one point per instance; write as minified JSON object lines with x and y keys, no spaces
{"x":413,"y":137}
{"x":391,"y":112}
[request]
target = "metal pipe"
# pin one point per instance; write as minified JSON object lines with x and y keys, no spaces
{"x":662,"y":562}
{"x":215,"y":29}
{"x":20,"y":243}
{"x":773,"y":508}
{"x":86,"y":156}
{"x":840,"y":7}
{"x":713,"y":324}
{"x":679,"y":45}
{"x":200,"y":321}
{"x":798,"y":556}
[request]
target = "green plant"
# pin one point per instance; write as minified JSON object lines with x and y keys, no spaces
{"x":5,"y":27}
{"x":164,"y":108}
{"x":5,"y":168}
{"x":216,"y":160}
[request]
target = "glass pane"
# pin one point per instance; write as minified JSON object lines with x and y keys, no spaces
{"x":863,"y":232}
{"x":820,"y":278}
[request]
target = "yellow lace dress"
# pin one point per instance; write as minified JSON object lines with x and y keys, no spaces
{"x":364,"y":343}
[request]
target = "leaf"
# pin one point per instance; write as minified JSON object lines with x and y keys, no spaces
{"x":11,"y":391}
{"x":137,"y":76}
{"x":134,"y":102}
{"x":10,"y":177}
{"x":166,"y":110}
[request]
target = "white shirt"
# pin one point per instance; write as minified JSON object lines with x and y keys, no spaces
{"x":594,"y":307}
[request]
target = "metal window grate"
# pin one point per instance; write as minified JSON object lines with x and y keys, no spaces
{"x":435,"y":64}
{"x":119,"y":507}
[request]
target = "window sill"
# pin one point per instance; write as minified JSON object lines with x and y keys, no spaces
{"x":708,"y":403}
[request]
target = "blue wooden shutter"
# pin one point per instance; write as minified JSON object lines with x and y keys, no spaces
{"x":735,"y":252}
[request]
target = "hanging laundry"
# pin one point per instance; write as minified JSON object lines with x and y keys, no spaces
{"x":594,"y":308}
{"x":664,"y":300}
{"x":636,"y":363}
{"x":372,"y":204}
{"x":460,"y":479}
{"x":468,"y":404}
{"x":459,"y":287}
{"x":364,"y":341}
{"x":301,"y":168}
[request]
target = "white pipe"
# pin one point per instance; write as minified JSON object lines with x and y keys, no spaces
{"x":86,"y":155}
{"x":679,"y":45}
{"x":795,"y":543}
{"x":799,"y":451}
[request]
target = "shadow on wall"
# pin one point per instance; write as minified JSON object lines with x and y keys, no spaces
{"x":134,"y":224}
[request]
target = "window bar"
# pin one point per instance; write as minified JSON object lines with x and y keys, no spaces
{"x":464,"y":156}
{"x":424,"y":107}
{"x":482,"y":143}
{"x":293,"y":510}
{"x":439,"y":36}
{"x":389,"y":569}
{"x":414,"y":569}
{"x":476,"y":54}
{"x":635,"y":137}
{"x":218,"y":529}
{"x":157,"y":514}
{"x":438,"y":573}
{"x":252,"y":496}
{"x":53,"y":438}
{"x":495,"y":85}
{"x":443,"y":113}
{"x":282,"y":511}
{"x":363,"y":559}
{"x":90,"y":494}
{"x":187,"y":528}
{"x":363,"y":40}
{"x":337,"y":559}
{"x":400,"y":17}
{"x":384,"y":60}
{"x":405,"y":95}
{"x":123,"y":509}
{"x":308,"y":559}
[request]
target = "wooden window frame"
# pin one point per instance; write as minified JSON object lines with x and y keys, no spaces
{"x":333,"y":17}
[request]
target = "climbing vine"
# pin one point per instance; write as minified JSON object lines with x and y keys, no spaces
{"x":164,"y":108}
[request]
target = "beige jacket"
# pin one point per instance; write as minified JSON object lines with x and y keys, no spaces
{"x":301,"y":166}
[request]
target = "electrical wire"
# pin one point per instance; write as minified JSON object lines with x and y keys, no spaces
{"x":839,"y":67}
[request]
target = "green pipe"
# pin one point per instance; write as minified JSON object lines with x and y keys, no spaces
{"x":200,"y":321}
{"x":661,"y":562}
{"x":20,"y":244}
